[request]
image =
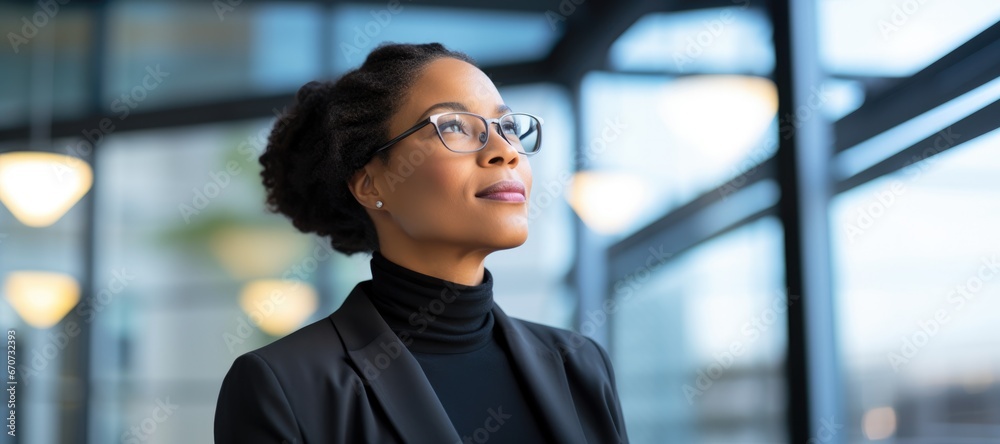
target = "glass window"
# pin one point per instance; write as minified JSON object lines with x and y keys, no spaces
{"x":46,"y":355}
{"x":489,"y":37}
{"x":671,"y":139}
{"x":181,"y":223}
{"x":16,"y":67}
{"x":60,"y":41}
{"x":223,"y":52}
{"x":718,"y":40}
{"x":699,"y":345}
{"x":933,"y":123}
{"x":917,"y":274}
{"x":896,"y":38}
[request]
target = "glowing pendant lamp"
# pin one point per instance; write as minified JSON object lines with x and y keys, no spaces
{"x":725,"y":115}
{"x":248,"y":252}
{"x":607,"y":201}
{"x":42,"y":299}
{"x":38,"y":188}
{"x":278,"y":306}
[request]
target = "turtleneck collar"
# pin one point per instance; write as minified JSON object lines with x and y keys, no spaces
{"x":430,"y":314}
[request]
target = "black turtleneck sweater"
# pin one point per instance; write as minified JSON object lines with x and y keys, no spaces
{"x":448,"y":328}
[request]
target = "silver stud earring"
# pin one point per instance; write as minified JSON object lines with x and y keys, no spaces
{"x":378,"y":204}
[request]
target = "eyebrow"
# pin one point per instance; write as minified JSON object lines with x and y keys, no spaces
{"x":455,"y":106}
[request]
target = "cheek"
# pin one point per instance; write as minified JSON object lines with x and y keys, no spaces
{"x":524,"y":170}
{"x":435,"y":188}
{"x":436,"y":182}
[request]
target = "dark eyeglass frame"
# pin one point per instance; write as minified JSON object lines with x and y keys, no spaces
{"x":433,"y":120}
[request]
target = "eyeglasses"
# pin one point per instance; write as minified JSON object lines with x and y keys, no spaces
{"x":464,"y":132}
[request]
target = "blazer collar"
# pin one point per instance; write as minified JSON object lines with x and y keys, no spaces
{"x":398,"y":382}
{"x":545,"y":376}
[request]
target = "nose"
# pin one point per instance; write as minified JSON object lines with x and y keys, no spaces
{"x":498,"y":151}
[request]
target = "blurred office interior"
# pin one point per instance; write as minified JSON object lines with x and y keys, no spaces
{"x":779,"y":217}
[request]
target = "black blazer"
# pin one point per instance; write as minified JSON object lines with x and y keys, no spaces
{"x":349,"y":379}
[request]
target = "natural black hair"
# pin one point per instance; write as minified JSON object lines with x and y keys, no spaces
{"x":330,"y":133}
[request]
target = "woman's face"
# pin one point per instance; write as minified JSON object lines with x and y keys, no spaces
{"x":432,"y":195}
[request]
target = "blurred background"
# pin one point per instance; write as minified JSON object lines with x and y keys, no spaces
{"x":780,"y":217}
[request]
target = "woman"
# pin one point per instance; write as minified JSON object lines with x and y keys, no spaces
{"x":415,"y":158}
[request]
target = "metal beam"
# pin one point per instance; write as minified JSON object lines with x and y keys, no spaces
{"x":196,"y":114}
{"x":804,"y":174}
{"x":78,"y":428}
{"x":230,"y":110}
{"x":584,"y":46}
{"x":710,"y":215}
{"x":968,"y":128}
{"x":506,"y":5}
{"x":969,"y":66}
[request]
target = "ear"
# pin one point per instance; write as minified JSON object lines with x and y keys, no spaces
{"x":362,"y":186}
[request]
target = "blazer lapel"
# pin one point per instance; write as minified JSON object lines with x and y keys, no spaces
{"x":394,"y":375}
{"x":545,"y":376}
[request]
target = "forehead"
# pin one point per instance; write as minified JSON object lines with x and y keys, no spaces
{"x":450,"y":80}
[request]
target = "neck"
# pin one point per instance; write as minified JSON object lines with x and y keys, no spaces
{"x":431,"y":314}
{"x":463,"y":267}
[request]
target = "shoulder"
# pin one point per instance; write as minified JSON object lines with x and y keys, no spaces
{"x":303,"y":343}
{"x":269,"y":393}
{"x":289,"y":370}
{"x":301,"y":355}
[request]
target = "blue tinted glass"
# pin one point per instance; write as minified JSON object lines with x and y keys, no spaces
{"x":896,"y":38}
{"x":180,"y":214}
{"x":674,"y":138}
{"x":223,"y":52}
{"x":699,"y":345}
{"x":917,"y":281}
{"x":491,"y":38}
{"x":34,"y":43}
{"x":734,"y":39}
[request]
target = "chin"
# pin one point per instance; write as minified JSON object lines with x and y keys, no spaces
{"x":501,"y":247}
{"x":507,"y":239}
{"x":519,"y":241}
{"x":501,"y":236}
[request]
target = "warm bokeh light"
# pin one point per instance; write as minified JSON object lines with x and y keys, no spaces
{"x":252,"y":252}
{"x":608,"y":202}
{"x":723,"y":114}
{"x":39,"y":188}
{"x":278,"y":306}
{"x":42,"y":299}
{"x":977,"y":382}
{"x":879,"y":423}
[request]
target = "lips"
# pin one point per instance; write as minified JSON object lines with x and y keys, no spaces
{"x":506,"y":190}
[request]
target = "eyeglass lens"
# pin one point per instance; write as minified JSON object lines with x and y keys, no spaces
{"x":467,"y":132}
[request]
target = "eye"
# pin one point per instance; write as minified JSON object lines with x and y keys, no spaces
{"x":510,"y":127}
{"x":453,"y":126}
